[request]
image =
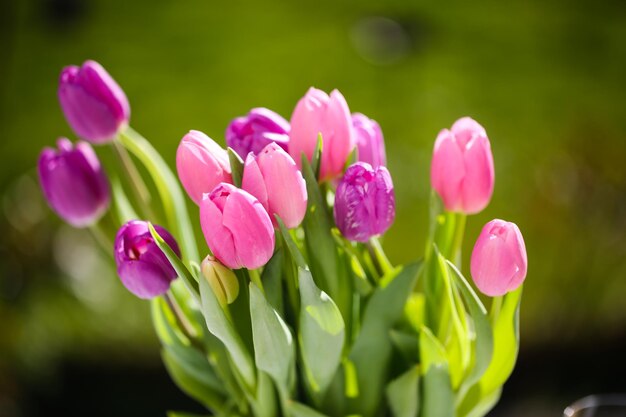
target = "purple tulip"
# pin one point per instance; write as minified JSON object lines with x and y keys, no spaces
{"x":236,"y":227}
{"x":316,"y":113}
{"x":462,"y":169}
{"x":499,"y":262}
{"x":275,"y":180}
{"x":257,"y":129}
{"x":93,"y":103}
{"x":369,"y":140}
{"x":364,"y":202}
{"x":201,"y":164}
{"x":142,"y":266}
{"x":74,"y":183}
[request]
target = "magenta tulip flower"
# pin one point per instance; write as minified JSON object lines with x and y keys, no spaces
{"x":364,"y":202}
{"x":256,"y":130}
{"x":236,"y":227}
{"x":319,"y":113}
{"x":74,"y":183}
{"x":499,"y":261}
{"x":462,"y":168}
{"x":142,"y":266}
{"x":275,"y":180}
{"x":369,"y":140}
{"x":93,"y":103}
{"x":201,"y":164}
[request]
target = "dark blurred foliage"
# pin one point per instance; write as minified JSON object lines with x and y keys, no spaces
{"x":546,"y":79}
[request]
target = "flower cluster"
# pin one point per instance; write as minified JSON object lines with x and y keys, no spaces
{"x":292,"y":213}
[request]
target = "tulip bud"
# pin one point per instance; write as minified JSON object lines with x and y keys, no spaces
{"x":74,"y":183}
{"x":256,"y":130}
{"x":274,"y":179}
{"x":318,"y":113}
{"x":222,"y":280}
{"x":364,"y":202}
{"x":462,"y":168}
{"x":369,"y":140}
{"x":142,"y":266}
{"x":93,"y":103}
{"x":236,"y":227}
{"x":499,"y":261}
{"x":201,"y":164}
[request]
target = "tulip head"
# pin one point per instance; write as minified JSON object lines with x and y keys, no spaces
{"x":74,"y":183}
{"x":256,"y":130}
{"x":369,"y":140}
{"x":201,"y":164}
{"x":364,"y":202}
{"x":222,"y":280}
{"x":499,"y":262}
{"x":274,"y":179}
{"x":236,"y":227}
{"x":141,"y":265}
{"x":462,"y":170}
{"x":93,"y":103}
{"x":318,"y":113}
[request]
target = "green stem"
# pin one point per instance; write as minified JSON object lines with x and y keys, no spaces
{"x":496,"y":306}
{"x":136,"y":181}
{"x":182,"y":321}
{"x":101,"y":237}
{"x":379,"y":257}
{"x":256,"y":278}
{"x":457,"y":240}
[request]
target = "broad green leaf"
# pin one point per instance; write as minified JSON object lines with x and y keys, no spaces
{"x":403,"y":394}
{"x":169,"y":190}
{"x":321,"y":335}
{"x":300,"y":410}
{"x":407,"y":344}
{"x":236,"y":167}
{"x":291,"y":245}
{"x":272,"y":280}
{"x":486,"y":404}
{"x":219,"y":325}
{"x":273,"y":342}
{"x":414,"y":310}
{"x":437,"y":395}
{"x":372,"y":349}
{"x":123,"y":207}
{"x":483,"y":336}
{"x":192,"y":377}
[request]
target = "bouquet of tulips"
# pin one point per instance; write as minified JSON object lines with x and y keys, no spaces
{"x":294,"y":309}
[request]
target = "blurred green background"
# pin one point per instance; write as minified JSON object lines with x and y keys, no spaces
{"x":546,"y":79}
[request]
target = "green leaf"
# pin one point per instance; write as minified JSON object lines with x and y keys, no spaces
{"x":322,"y":333}
{"x":407,"y":344}
{"x":219,"y":325}
{"x":185,"y":414}
{"x":483,"y":336}
{"x":272,"y":280}
{"x":177,"y":264}
{"x":403,"y":394}
{"x":414,"y":310}
{"x":273,"y":342}
{"x":300,"y":410}
{"x":236,"y":167}
{"x":437,"y":394}
{"x":486,"y":404}
{"x":291,"y":245}
{"x":169,"y":190}
{"x":372,"y":349}
{"x":316,"y":161}
{"x":123,"y":207}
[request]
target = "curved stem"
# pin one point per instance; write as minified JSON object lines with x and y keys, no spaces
{"x":136,"y":181}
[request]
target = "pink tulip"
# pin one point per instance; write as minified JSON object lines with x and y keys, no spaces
{"x":318,"y":113}
{"x":275,"y":180}
{"x":369,"y":140}
{"x":201,"y":164}
{"x":236,"y":227}
{"x":462,"y":167}
{"x":499,"y":261}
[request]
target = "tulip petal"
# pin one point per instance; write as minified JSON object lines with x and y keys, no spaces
{"x":478,"y":182}
{"x":337,"y":135}
{"x":447,"y":170}
{"x":144,"y":279}
{"x":218,"y":237}
{"x":253,"y":181}
{"x":306,"y":124}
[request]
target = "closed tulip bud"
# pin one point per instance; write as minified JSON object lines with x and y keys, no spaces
{"x":364,"y":202}
{"x":236,"y":227}
{"x":275,"y":180}
{"x":319,"y":113}
{"x":462,"y":168}
{"x":93,"y":103}
{"x":256,"y":130}
{"x":499,"y":261}
{"x":141,"y":265}
{"x":222,"y":280}
{"x":74,"y":183}
{"x":369,"y":140}
{"x":201,"y":164}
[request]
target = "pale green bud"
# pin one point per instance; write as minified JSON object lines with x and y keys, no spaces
{"x":222,"y":280}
